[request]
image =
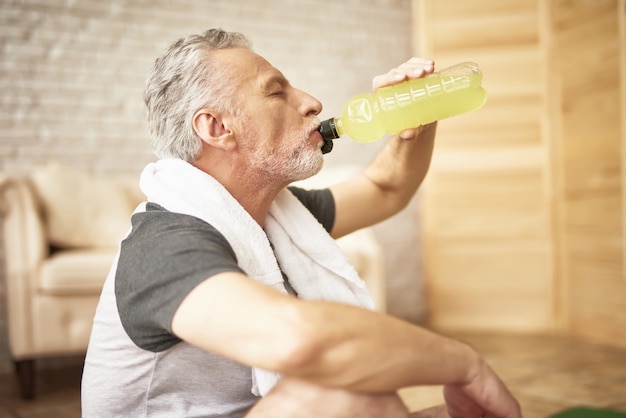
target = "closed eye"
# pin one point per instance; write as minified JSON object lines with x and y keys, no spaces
{"x":275,"y":85}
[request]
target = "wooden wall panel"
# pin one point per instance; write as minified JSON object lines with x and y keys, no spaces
{"x":590,"y":141}
{"x":523,"y":210}
{"x":486,"y":212}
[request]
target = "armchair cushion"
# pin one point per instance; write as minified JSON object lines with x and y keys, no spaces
{"x":83,"y":211}
{"x":75,"y":272}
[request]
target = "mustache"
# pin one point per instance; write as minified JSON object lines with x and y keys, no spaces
{"x":327,"y":146}
{"x":313,"y":126}
{"x":328,"y":143}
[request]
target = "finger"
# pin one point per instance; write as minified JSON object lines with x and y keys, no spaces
{"x":409,"y":133}
{"x":387,"y":79}
{"x":417,"y":69}
{"x":416,"y":62}
{"x":413,"y":68}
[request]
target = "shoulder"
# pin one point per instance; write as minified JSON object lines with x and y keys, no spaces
{"x":163,"y":258}
{"x":160,"y":229}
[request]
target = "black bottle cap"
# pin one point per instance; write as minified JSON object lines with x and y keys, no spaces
{"x":329,"y":132}
{"x":328,"y":129}
{"x":327,"y":147}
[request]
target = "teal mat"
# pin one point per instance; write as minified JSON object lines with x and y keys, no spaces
{"x":588,"y":413}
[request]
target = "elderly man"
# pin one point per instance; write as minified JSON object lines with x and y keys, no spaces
{"x":229,"y":297}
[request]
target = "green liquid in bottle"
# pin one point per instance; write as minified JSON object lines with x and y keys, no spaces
{"x":391,"y":109}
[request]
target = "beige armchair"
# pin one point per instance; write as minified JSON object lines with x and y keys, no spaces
{"x":61,"y":229}
{"x":52,"y":283}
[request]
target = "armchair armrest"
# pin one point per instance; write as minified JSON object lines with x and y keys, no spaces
{"x":25,"y":247}
{"x":363,"y":251}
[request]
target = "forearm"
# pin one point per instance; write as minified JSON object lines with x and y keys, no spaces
{"x":399,"y":169}
{"x":372,"y":352}
{"x":387,"y":185}
{"x":328,"y":343}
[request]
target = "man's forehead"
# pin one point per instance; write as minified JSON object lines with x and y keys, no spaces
{"x":248,"y":62}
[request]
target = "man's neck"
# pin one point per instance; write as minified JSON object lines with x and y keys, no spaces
{"x":254,"y":191}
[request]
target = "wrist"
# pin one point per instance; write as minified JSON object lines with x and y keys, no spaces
{"x":475,"y":366}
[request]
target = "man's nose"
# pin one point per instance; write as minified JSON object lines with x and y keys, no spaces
{"x":309,"y":106}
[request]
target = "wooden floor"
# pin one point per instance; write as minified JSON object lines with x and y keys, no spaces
{"x":547,"y":374}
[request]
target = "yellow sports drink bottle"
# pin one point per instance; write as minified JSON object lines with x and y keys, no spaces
{"x":391,"y":109}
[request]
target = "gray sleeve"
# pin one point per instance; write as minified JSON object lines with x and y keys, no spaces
{"x":320,"y":203}
{"x":164,"y":257}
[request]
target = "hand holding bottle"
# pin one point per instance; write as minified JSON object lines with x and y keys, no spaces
{"x":413,"y":68}
{"x":406,"y":97}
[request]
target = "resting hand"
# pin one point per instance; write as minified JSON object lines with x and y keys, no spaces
{"x":411,"y":69}
{"x":484,"y":396}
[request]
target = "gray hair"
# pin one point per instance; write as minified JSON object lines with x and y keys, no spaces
{"x":184,"y":80}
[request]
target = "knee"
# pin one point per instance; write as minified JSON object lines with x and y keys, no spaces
{"x":301,"y":399}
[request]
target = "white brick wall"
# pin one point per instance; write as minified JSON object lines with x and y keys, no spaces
{"x":72,"y":74}
{"x":73,"y":71}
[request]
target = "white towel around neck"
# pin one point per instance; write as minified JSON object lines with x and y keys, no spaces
{"x":307,"y":254}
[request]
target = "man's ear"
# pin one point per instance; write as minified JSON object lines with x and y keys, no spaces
{"x":210,"y":127}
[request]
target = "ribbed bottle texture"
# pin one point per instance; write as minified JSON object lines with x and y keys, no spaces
{"x":392,"y":109}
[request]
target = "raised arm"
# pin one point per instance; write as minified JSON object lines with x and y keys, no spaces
{"x":391,"y":180}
